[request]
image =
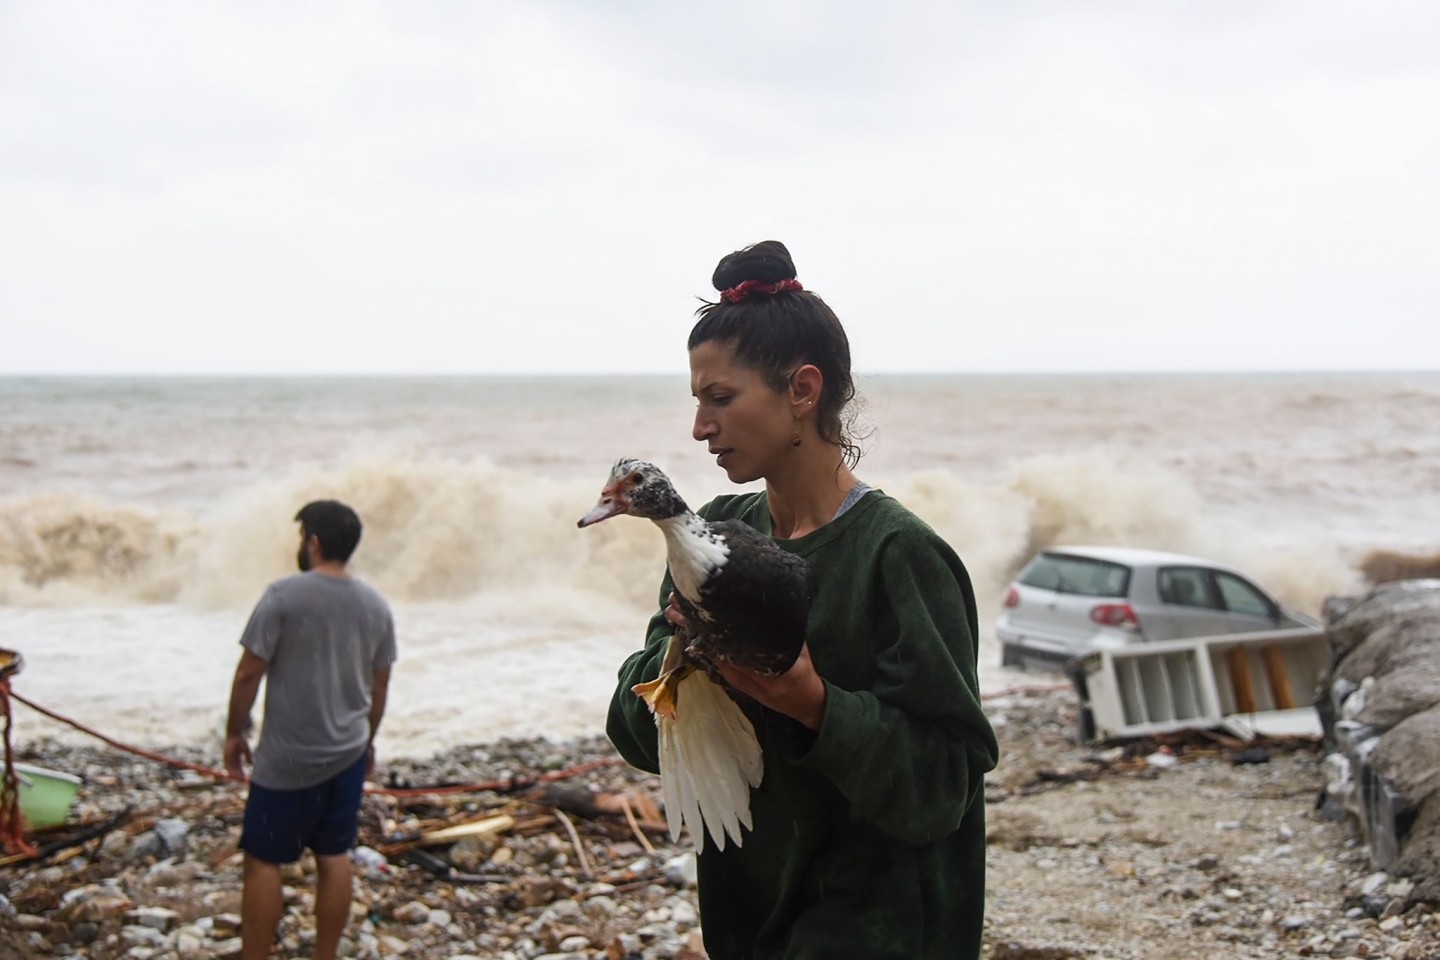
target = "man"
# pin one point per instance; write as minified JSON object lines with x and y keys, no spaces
{"x":324,"y":641}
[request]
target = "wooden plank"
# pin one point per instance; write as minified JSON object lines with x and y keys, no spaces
{"x":478,"y":828}
{"x":1274,"y":659}
{"x":1241,"y":683}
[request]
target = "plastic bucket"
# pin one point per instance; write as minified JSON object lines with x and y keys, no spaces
{"x":45,"y":795}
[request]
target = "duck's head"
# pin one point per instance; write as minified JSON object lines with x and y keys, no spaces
{"x":638,"y":488}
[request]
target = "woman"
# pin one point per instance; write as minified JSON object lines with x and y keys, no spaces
{"x":869,"y":825}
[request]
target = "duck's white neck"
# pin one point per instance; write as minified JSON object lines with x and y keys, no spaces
{"x":693,"y":551}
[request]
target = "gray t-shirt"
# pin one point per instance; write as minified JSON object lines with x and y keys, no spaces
{"x":323,"y":638}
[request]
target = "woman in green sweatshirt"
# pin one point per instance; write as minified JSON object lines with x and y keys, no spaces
{"x":869,"y":823}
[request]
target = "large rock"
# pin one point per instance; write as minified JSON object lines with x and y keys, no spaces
{"x":1384,"y":725}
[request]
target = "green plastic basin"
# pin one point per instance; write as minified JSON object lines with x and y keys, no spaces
{"x":45,"y":795}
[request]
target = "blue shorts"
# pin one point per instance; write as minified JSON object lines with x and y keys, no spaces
{"x":280,"y":824}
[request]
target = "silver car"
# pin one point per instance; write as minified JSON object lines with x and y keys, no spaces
{"x":1068,"y":601}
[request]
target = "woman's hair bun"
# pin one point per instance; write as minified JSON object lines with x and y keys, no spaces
{"x":765,"y":262}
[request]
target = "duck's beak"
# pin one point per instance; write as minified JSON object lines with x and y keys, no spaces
{"x":611,"y":503}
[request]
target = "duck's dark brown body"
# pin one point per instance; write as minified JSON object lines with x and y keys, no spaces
{"x":752,"y":610}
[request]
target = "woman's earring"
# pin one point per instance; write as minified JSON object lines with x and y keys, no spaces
{"x":795,"y":440}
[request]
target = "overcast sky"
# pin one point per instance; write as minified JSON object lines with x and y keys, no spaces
{"x":544,"y":186}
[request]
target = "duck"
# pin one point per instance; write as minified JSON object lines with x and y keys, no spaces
{"x":746,"y":601}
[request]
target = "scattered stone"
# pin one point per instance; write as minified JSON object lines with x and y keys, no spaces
{"x":160,"y":918}
{"x":1374,"y":883}
{"x":683,"y":914}
{"x":84,"y":933}
{"x":520,"y":895}
{"x":137,"y":935}
{"x":172,"y":834}
{"x":683,"y":870}
{"x":1016,"y":950}
{"x":1375,"y":905}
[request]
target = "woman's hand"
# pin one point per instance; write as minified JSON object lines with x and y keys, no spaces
{"x":673,"y":613}
{"x":799,"y":693}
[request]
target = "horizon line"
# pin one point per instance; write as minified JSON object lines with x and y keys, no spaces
{"x":518,"y":375}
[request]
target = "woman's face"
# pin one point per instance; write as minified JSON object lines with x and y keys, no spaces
{"x":747,"y":425}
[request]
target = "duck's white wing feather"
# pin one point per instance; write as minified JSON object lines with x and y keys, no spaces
{"x":709,"y":761}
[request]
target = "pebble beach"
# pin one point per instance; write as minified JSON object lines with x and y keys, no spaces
{"x":1141,"y":851}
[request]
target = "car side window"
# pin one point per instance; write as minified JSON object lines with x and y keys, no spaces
{"x":1241,"y":597}
{"x":1187,"y":587}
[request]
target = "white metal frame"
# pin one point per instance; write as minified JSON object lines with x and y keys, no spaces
{"x":1147,"y":688}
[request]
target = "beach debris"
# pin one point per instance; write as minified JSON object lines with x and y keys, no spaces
{"x":1258,"y":754}
{"x":1016,"y":950}
{"x":483,"y":827}
{"x":1153,"y":755}
{"x":1162,"y":760}
{"x":52,"y":842}
{"x":1249,"y":685}
{"x":152,"y":867}
{"x":521,"y":893}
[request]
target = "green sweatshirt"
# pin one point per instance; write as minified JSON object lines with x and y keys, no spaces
{"x":869,"y":836}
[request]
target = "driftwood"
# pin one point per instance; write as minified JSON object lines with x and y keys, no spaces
{"x":475,"y":828}
{"x":639,"y":813}
{"x":70,"y":836}
{"x":585,"y":870}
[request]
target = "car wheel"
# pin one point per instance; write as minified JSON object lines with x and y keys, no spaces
{"x":1010,"y":656}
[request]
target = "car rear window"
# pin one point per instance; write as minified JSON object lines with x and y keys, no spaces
{"x":1066,"y":574}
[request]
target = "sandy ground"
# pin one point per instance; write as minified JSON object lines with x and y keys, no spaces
{"x":1101,"y":852}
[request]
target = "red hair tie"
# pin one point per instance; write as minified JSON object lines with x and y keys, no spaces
{"x":744,"y":288}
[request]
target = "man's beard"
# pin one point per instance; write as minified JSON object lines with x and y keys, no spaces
{"x":302,"y":560}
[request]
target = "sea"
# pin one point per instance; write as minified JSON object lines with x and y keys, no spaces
{"x":142,"y":517}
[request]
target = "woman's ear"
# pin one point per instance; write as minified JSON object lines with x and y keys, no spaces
{"x":806,"y":384}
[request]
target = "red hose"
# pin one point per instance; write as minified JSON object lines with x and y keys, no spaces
{"x":488,"y":785}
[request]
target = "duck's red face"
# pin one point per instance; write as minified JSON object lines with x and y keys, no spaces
{"x":637,"y":488}
{"x":613,"y":500}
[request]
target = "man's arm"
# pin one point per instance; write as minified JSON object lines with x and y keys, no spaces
{"x":248,"y":674}
{"x":378,"y":693}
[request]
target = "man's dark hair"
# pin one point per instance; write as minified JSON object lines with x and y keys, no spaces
{"x":335,"y":525}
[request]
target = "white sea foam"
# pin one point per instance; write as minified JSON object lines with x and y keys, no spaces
{"x":143,"y":518}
